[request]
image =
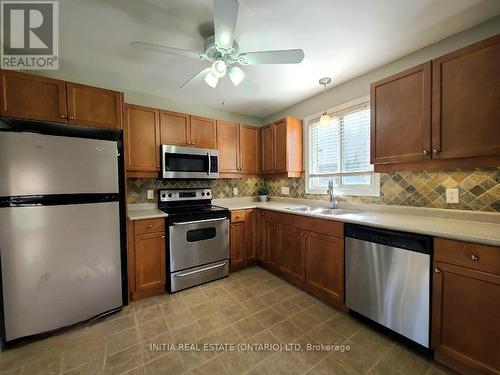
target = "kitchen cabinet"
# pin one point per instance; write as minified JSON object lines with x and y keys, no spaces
{"x":31,"y":97}
{"x":93,"y":106}
{"x":466,"y":93}
{"x":146,"y":257}
{"x":203,"y":132}
{"x":243,"y":238}
{"x":291,"y":244}
{"x":229,"y":149}
{"x":281,"y":145}
{"x":262,"y":237}
{"x":38,"y":98}
{"x":325,"y":267}
{"x":441,"y":114}
{"x":142,"y":139}
{"x":238,"y":149}
{"x":466,"y":306}
{"x":174,"y":128}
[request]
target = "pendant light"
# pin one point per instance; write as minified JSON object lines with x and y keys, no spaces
{"x":325,"y":117}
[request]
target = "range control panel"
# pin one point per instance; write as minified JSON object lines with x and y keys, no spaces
{"x":173,"y":195}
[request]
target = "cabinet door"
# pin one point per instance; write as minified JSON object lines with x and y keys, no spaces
{"x":94,"y":106}
{"x":280,"y":147}
{"x":292,"y":253}
{"x":142,"y":138}
{"x":325,"y":266}
{"x":237,"y":245}
{"x":32,"y":97}
{"x":466,"y":97}
{"x":203,"y":132}
{"x":249,"y":149}
{"x":262,"y":235}
{"x":174,"y":128}
{"x":250,"y":236}
{"x":465,"y":313}
{"x":228,"y":147}
{"x":267,"y":149}
{"x":150,"y":266}
{"x":401,"y":117}
{"x":271,"y":245}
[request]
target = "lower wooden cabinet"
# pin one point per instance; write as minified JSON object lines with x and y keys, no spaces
{"x":146,"y":257}
{"x":466,"y":306}
{"x":291,"y":244}
{"x":243,"y":239}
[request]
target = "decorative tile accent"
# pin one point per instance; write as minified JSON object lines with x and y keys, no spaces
{"x":479,"y":188}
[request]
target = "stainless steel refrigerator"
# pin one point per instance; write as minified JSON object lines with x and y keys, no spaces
{"x":61,"y":227}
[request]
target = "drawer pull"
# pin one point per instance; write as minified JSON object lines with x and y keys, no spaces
{"x":475,"y":258}
{"x":150,"y":226}
{"x":437,"y":270}
{"x":163,"y":236}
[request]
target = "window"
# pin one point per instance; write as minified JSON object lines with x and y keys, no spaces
{"x":341,"y":150}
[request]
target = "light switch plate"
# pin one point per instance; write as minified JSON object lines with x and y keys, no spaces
{"x":451,"y":195}
{"x":285,"y":190}
{"x":151,"y":194}
{"x":235,"y":191}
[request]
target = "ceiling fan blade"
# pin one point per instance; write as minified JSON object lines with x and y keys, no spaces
{"x":288,"y":56}
{"x":196,"y":76}
{"x":170,"y":50}
{"x":225,"y":15}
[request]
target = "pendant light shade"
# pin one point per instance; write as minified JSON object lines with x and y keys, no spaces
{"x":324,"y":120}
{"x":211,"y":80}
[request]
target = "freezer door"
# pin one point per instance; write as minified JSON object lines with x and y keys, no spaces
{"x":36,"y":164}
{"x":60,"y":265}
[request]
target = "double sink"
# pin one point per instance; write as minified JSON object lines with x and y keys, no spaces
{"x":323,"y":211}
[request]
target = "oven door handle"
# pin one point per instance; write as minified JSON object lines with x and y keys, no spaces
{"x":200,"y":221}
{"x":202,"y":270}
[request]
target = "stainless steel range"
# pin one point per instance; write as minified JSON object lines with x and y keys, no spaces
{"x":198,"y":237}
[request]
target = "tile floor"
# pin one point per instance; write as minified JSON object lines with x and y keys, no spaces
{"x":249,"y":307}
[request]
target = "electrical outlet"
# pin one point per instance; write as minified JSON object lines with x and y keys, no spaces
{"x":235,"y":191}
{"x":451,"y":195}
{"x":285,"y":190}
{"x":151,"y":194}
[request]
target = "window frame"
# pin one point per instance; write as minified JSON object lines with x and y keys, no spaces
{"x":372,"y":190}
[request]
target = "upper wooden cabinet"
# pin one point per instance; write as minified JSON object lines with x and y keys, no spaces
{"x":401,"y":117}
{"x":203,"y":132}
{"x":281,"y":145}
{"x":142,"y":138}
{"x":38,"y":98}
{"x":238,"y":149}
{"x":174,"y":128}
{"x":229,"y":153}
{"x":94,"y":106}
{"x":466,"y":97}
{"x":441,"y":114}
{"x":31,"y":97}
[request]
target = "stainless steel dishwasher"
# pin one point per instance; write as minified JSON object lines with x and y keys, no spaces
{"x":388,"y":279}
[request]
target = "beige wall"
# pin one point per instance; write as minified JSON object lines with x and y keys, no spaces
{"x":359,"y":87}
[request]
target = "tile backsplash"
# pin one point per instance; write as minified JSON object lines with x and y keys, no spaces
{"x":479,"y":189}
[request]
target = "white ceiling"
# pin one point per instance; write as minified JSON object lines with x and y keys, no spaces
{"x":341,"y":38}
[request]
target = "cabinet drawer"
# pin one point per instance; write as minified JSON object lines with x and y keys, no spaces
{"x":479,"y":257}
{"x":149,"y":226}
{"x":238,"y":215}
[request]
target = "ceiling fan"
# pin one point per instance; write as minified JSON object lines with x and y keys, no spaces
{"x":222,"y":50}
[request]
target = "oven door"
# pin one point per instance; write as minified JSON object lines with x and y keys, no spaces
{"x":195,"y":243}
{"x":188,"y":162}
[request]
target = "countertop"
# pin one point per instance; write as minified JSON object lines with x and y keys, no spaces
{"x":477,"y":227}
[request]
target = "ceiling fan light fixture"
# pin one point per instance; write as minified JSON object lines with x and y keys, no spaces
{"x":211,"y":80}
{"x":236,"y":74}
{"x":219,"y":68}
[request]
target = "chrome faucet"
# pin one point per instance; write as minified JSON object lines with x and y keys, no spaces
{"x":332,"y":203}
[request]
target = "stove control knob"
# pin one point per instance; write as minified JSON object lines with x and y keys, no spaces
{"x":208,"y":193}
{"x":202,"y":194}
{"x":170,"y":195}
{"x":163,"y":195}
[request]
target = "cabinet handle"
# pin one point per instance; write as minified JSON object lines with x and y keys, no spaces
{"x":475,"y":258}
{"x":157,"y":165}
{"x":274,"y":228}
{"x":435,"y":151}
{"x":305,"y":235}
{"x":437,"y":270}
{"x":163,"y":236}
{"x":237,"y":216}
{"x":426,"y":152}
{"x":62,"y":116}
{"x":232,"y":226}
{"x":71,"y":118}
{"x":150,"y":226}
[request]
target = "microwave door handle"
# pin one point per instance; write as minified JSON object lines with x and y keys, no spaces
{"x":209,"y":164}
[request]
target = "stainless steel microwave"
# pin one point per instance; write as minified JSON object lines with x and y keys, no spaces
{"x":189,"y":162}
